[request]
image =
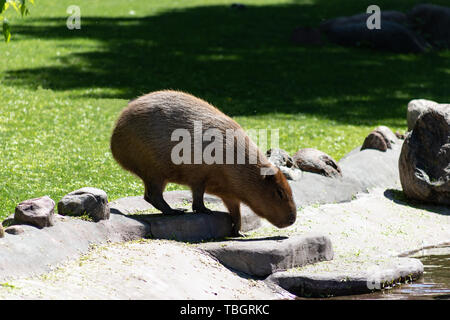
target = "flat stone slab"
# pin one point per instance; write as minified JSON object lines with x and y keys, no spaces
{"x":136,"y":204}
{"x":261,"y":257}
{"x":190,"y":227}
{"x":360,"y":278}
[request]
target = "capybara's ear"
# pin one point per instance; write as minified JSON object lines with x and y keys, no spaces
{"x":268,"y":172}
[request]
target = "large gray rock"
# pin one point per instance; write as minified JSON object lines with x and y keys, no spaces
{"x":416,"y":108}
{"x":424,"y":163}
{"x":38,"y":212}
{"x":315,"y":161}
{"x":354,"y":282}
{"x":279,"y":158}
{"x":90,"y":201}
{"x":262,"y":257}
{"x":433,"y":22}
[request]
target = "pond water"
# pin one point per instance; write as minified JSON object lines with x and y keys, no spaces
{"x":435,"y":283}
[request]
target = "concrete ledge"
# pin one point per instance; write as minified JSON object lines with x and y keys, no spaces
{"x":375,"y":277}
{"x":36,"y":251}
{"x":261,"y":257}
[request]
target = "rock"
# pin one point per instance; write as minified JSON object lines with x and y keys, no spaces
{"x":392,"y":36}
{"x":313,"y":160}
{"x":382,"y":138}
{"x":136,"y":204}
{"x":91,"y":201}
{"x":38,"y":212}
{"x":262,"y":257}
{"x":15,"y":230}
{"x":387,"y":134}
{"x":375,"y":277}
{"x":279,"y":157}
{"x":416,"y":108}
{"x":306,"y":35}
{"x":291,"y":173}
{"x":386,"y":15}
{"x":2,"y":232}
{"x":433,"y":22}
{"x":191,"y":227}
{"x":424,"y":163}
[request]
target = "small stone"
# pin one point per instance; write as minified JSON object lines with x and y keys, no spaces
{"x":387,"y":134}
{"x":376,"y":140}
{"x":90,"y":201}
{"x":315,"y":161}
{"x":279,"y":157}
{"x":15,"y":230}
{"x":38,"y":212}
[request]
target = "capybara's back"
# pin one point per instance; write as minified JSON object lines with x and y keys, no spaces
{"x":149,"y":131}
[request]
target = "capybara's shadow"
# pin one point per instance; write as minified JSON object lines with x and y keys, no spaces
{"x":399,"y":197}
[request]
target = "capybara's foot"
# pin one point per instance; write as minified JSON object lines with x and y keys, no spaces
{"x":175,"y":212}
{"x":237,"y":234}
{"x":202,"y":210}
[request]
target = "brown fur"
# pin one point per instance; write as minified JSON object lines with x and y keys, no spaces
{"x":141,"y":143}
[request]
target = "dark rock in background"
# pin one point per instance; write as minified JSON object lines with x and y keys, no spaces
{"x":433,"y":23}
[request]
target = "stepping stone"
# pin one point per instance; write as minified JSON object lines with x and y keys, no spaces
{"x":189,"y":227}
{"x":349,"y":279}
{"x":262,"y":257}
{"x":136,"y":204}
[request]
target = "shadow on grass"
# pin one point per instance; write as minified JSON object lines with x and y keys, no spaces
{"x":240,"y":60}
{"x":399,"y":197}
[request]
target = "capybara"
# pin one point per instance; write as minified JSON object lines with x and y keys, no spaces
{"x":142,"y":142}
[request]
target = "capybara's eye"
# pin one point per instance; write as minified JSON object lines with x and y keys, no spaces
{"x":280,"y":193}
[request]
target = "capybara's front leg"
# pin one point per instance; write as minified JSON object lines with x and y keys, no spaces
{"x":154,"y":196}
{"x":198,"y":205}
{"x":234,"y":208}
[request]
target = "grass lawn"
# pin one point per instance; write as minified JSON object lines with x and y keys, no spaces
{"x":61,"y":90}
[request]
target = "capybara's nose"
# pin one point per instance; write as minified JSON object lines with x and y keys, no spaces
{"x":292,"y":218}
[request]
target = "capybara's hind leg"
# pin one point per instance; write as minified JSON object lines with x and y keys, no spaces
{"x":154,"y":195}
{"x":198,"y":205}
{"x":234,"y":208}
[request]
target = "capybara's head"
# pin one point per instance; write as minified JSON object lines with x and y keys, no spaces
{"x":275,"y":202}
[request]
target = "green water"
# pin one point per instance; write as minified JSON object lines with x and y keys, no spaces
{"x":434,"y":285}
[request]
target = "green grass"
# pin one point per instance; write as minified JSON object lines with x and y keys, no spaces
{"x":61,"y":90}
